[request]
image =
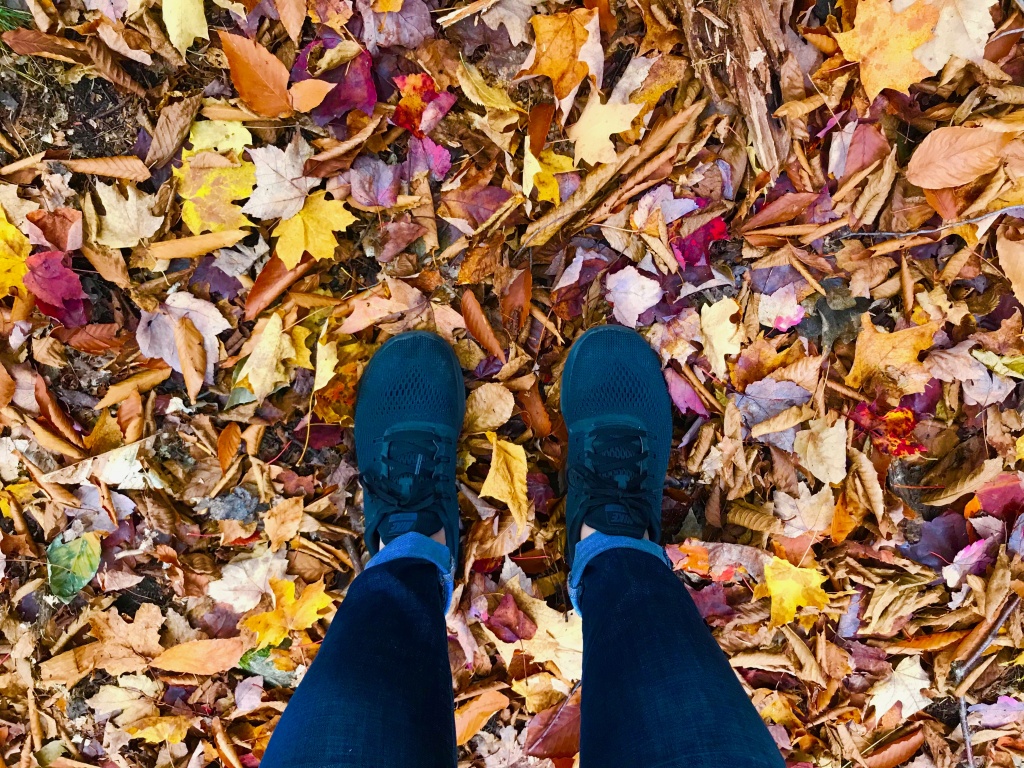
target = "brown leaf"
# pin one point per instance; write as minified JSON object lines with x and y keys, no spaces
{"x":259,"y":76}
{"x":171,"y":129}
{"x":105,"y":62}
{"x":480,"y":262}
{"x":29,"y":42}
{"x":896,"y":752}
{"x":272,"y":281}
{"x":293,"y":15}
{"x":195,"y":246}
{"x":949,"y":157}
{"x":781,"y":210}
{"x":202,"y":657}
{"x":535,"y":414}
{"x":140,"y":382}
{"x":515,"y":304}
{"x":7,"y":387}
{"x":127,"y":167}
{"x":109,"y":263}
{"x":227,"y":445}
{"x":191,"y":354}
{"x":555,"y":732}
{"x":478,"y":325}
{"x":282,"y":522}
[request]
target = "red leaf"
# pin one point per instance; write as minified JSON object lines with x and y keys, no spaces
{"x":509,"y":623}
{"x":555,"y":732}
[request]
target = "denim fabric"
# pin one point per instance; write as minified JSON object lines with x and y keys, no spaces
{"x":379,"y":693}
{"x":595,"y":544}
{"x":657,"y":689}
{"x":421,"y":547}
{"x":658,"y":692}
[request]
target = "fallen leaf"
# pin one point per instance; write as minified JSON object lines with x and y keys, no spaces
{"x":487,"y":408}
{"x":202,"y":657}
{"x":312,"y":229}
{"x":883,"y":43}
{"x":631,"y":294}
{"x":567,"y":48}
{"x":506,"y":479}
{"x":904,"y":687}
{"x":282,"y":521}
{"x":790,"y":588}
{"x":473,"y":715}
{"x":950,"y":157}
{"x":290,"y":614}
{"x":259,"y":76}
{"x":281,"y":188}
{"x":185,"y":21}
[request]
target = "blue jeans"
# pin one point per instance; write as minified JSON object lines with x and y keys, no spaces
{"x":657,"y":692}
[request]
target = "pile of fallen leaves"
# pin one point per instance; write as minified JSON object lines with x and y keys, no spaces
{"x":811,"y":209}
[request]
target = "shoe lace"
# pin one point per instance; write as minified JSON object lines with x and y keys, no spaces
{"x":614,"y":473}
{"x":411,"y":467}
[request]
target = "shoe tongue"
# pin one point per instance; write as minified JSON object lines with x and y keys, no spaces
{"x":426,"y":522}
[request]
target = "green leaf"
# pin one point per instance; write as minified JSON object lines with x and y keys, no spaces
{"x":69,"y":567}
{"x":259,"y":662}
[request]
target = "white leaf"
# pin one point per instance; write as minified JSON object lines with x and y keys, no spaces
{"x":281,"y":187}
{"x":631,"y":294}
{"x":807,"y":513}
{"x":244,"y":582}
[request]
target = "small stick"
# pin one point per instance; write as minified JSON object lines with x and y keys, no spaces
{"x":967,"y":732}
{"x":983,"y":636}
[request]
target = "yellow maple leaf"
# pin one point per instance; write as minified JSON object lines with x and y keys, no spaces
{"x":889,"y":360}
{"x":291,"y":614}
{"x":506,"y":479}
{"x":14,"y":249}
{"x":567,"y":49}
{"x":883,"y":43}
{"x":209,"y":192}
{"x":312,"y":230}
{"x":156,"y":730}
{"x":598,"y":121}
{"x":264,"y":370}
{"x":539,"y":173}
{"x":218,"y":136}
{"x":790,"y":588}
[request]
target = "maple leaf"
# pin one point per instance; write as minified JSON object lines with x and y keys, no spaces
{"x":883,"y":43}
{"x":312,"y":230}
{"x":567,"y":48}
{"x":721,"y":335}
{"x":209,"y":192}
{"x":597,"y":123}
{"x":264,"y":370}
{"x":790,"y":588}
{"x":904,"y":687}
{"x":632,"y":294}
{"x":281,"y":187}
{"x":822,"y":449}
{"x":422,"y":106}
{"x":128,"y":647}
{"x":128,"y":218}
{"x":963,"y":30}
{"x":889,"y":360}
{"x":539,"y":173}
{"x":806,"y":513}
{"x":290,"y":614}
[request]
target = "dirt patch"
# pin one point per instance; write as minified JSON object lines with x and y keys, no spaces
{"x":40,"y":109}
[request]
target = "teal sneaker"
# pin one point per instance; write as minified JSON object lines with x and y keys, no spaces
{"x":618,"y":414}
{"x":409,"y":411}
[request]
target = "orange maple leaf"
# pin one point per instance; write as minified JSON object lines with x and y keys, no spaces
{"x":883,"y":42}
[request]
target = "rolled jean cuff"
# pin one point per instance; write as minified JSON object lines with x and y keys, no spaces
{"x":594,"y":545}
{"x":419,"y":547}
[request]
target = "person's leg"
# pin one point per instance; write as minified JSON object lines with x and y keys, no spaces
{"x":657,"y":689}
{"x":379,"y":692}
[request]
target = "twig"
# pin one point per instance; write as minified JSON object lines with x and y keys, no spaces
{"x":985,"y":636}
{"x":967,"y":732}
{"x":935,"y":230}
